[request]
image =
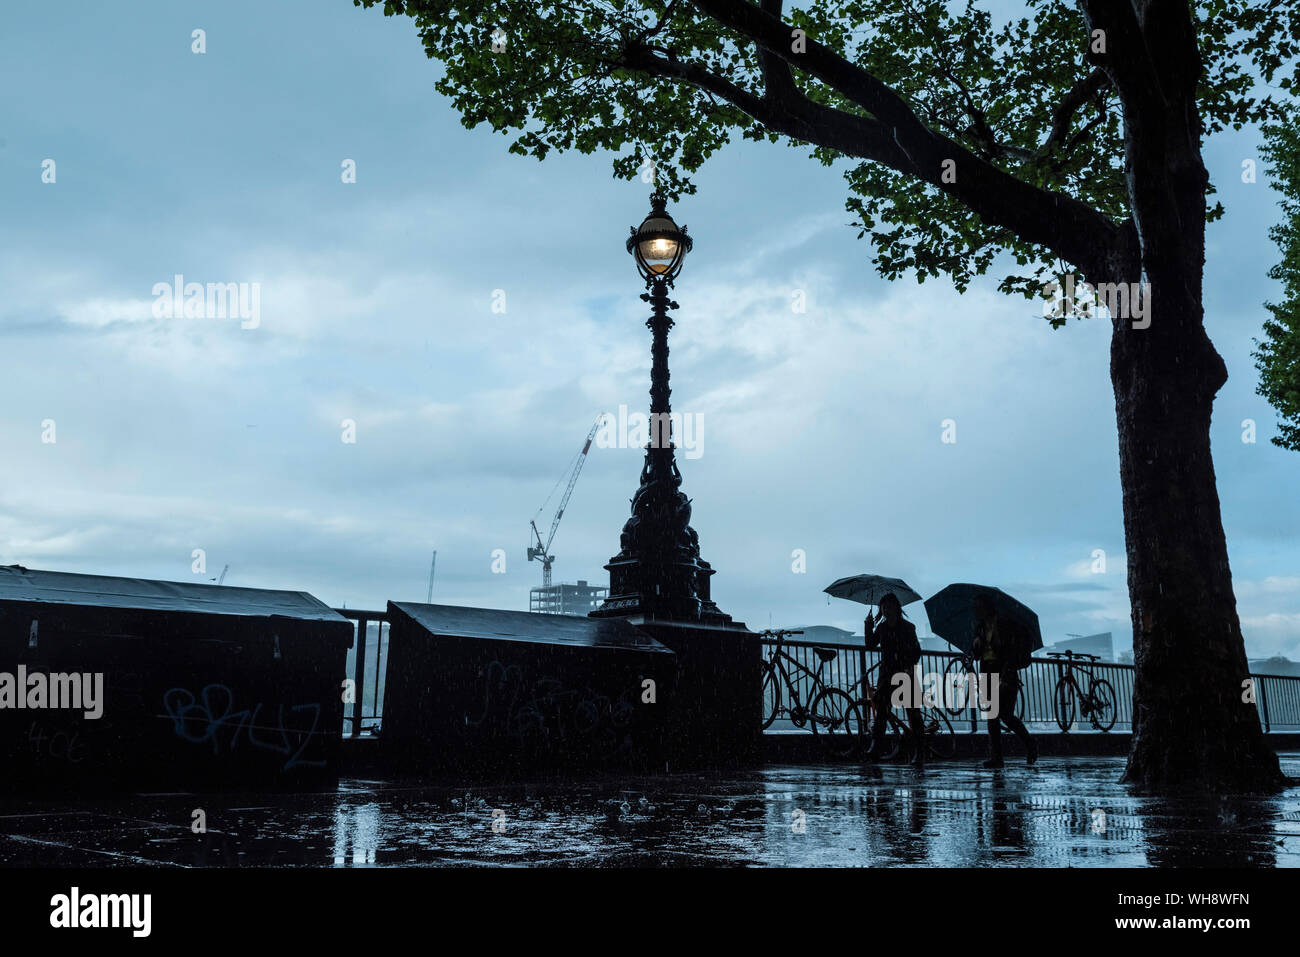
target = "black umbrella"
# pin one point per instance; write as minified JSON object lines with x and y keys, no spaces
{"x":869,"y":589}
{"x":952,"y":615}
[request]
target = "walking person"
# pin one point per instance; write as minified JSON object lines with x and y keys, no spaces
{"x":1000,"y":658}
{"x":900,"y":650}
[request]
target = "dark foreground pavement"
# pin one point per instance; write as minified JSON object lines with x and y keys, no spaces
{"x":1066,"y":812}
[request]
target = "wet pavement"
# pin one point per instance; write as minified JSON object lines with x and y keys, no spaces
{"x":1066,"y":812}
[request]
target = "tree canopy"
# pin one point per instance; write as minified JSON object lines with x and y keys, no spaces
{"x":1278,"y":355}
{"x":1023,"y":108}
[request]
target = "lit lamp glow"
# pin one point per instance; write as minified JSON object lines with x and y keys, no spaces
{"x":659,"y":245}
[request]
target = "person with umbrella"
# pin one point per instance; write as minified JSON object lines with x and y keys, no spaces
{"x":900,"y":650}
{"x":895,"y":636}
{"x":998,"y":654}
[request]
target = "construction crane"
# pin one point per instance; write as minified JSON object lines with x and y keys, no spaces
{"x":541,"y":551}
{"x":222,"y":579}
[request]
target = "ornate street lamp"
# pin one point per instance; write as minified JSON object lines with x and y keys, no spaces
{"x":659,"y":246}
{"x":658,"y":572}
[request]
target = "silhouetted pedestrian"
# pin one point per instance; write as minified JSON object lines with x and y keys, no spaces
{"x":997,"y":658}
{"x":900,"y":650}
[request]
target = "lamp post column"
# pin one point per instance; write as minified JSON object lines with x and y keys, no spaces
{"x":658,"y":571}
{"x":661,"y":437}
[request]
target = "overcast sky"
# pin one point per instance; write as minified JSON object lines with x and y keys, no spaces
{"x":821,"y":430}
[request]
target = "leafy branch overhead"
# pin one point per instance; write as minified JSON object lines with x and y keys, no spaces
{"x":1278,"y":356}
{"x":1024,"y":111}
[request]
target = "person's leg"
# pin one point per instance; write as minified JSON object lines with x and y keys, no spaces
{"x":1007,"y":688}
{"x":917,"y":724}
{"x":995,"y":729}
{"x":1008,"y":691}
{"x":881,"y":699}
{"x":995,"y":741}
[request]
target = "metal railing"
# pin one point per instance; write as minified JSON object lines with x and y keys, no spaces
{"x":1277,"y":697}
{"x":367,"y":666}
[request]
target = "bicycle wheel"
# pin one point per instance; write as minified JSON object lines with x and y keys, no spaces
{"x":836,"y":719}
{"x":1064,"y":704}
{"x":940,"y":742}
{"x":771,"y":697}
{"x":1103,"y":704}
{"x":954,"y":676}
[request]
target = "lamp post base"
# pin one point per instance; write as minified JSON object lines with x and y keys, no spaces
{"x":672,"y":591}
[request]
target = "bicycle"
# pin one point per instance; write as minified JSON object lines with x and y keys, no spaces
{"x":1097,"y":704}
{"x":936,"y":729}
{"x":958,"y":673}
{"x":834,"y":715}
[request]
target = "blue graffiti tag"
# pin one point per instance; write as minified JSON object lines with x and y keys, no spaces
{"x":202,"y":720}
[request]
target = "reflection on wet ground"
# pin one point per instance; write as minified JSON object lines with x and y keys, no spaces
{"x":1064,"y":812}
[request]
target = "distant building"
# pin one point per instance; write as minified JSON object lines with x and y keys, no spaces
{"x":934,"y":643}
{"x":826,"y":634}
{"x":566,"y":598}
{"x":1277,"y":665}
{"x":1100,"y":645}
{"x":829,"y":634}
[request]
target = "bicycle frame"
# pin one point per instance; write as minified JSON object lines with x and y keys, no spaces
{"x":1069,"y":678}
{"x":1093,"y":704}
{"x":932,"y":719}
{"x":869,"y":699}
{"x":776,"y":662}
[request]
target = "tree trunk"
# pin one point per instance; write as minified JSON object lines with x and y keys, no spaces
{"x":1195,"y":727}
{"x":1195,"y":724}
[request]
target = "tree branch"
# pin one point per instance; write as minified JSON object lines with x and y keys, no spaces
{"x":1154,"y":65}
{"x":792,"y":115}
{"x":1061,"y":224}
{"x":1127,"y":62}
{"x":1063,"y":115}
{"x":777,"y":79}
